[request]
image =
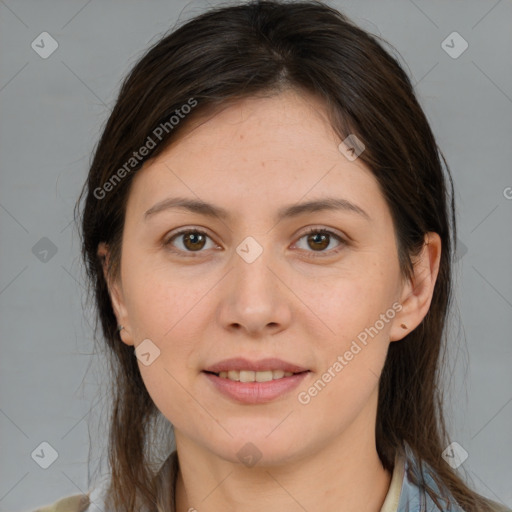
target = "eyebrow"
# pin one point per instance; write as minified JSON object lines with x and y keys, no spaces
{"x":210,"y":210}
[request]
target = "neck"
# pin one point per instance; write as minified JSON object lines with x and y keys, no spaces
{"x":301,"y":487}
{"x":345,"y":474}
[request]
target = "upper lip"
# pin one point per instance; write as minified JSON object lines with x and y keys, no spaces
{"x":240,"y":363}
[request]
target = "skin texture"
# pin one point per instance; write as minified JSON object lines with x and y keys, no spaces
{"x":253,"y":158}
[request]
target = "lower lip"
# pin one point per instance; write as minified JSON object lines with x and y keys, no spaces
{"x":256,"y":392}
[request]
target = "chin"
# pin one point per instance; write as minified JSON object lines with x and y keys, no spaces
{"x":258,"y":449}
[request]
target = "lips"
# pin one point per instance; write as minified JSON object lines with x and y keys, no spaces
{"x":252,"y":382}
{"x":253,"y":393}
{"x":262,"y":365}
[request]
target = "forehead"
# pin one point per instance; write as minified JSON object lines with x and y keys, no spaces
{"x":255,"y":152}
{"x":292,"y":117}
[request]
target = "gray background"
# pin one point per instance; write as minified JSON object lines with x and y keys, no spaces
{"x":52,"y":111}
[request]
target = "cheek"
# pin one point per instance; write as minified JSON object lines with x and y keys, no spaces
{"x":350,"y":359}
{"x":352,"y":306}
{"x":359,"y":314}
{"x":167,"y":386}
{"x":162,"y":306}
{"x":167,"y":312}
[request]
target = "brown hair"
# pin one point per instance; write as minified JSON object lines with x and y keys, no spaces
{"x":259,"y":48}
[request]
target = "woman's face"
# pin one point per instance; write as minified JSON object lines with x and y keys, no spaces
{"x":257,"y":286}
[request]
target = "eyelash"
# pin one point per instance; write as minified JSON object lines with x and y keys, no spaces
{"x":315,"y":254}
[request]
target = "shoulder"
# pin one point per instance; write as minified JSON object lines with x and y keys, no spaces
{"x":416,"y":480}
{"x":75,"y":503}
{"x":93,"y":501}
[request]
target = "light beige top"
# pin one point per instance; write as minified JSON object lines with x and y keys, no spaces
{"x":395,"y":487}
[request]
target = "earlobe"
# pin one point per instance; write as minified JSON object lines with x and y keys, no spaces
{"x":417,"y":294}
{"x":116,"y":297}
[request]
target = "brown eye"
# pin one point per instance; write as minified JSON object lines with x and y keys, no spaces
{"x":192,"y":240}
{"x":318,"y":240}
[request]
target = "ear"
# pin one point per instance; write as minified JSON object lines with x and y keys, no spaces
{"x":416,"y":294}
{"x":115,"y":290}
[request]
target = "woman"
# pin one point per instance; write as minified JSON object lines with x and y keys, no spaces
{"x":268,"y":232}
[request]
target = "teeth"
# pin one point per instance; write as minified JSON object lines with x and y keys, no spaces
{"x":250,"y":376}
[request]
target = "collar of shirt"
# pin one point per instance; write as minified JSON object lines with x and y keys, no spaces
{"x":405,"y":495}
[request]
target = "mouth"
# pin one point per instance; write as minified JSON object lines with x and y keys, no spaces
{"x":252,"y":387}
{"x":250,"y":381}
{"x":254,"y":376}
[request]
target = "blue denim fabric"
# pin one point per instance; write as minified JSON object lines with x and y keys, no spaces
{"x":414,"y":498}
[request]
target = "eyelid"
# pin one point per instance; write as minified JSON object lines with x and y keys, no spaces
{"x":323,"y":229}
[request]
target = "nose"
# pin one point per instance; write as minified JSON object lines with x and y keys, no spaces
{"x":254,"y":300}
